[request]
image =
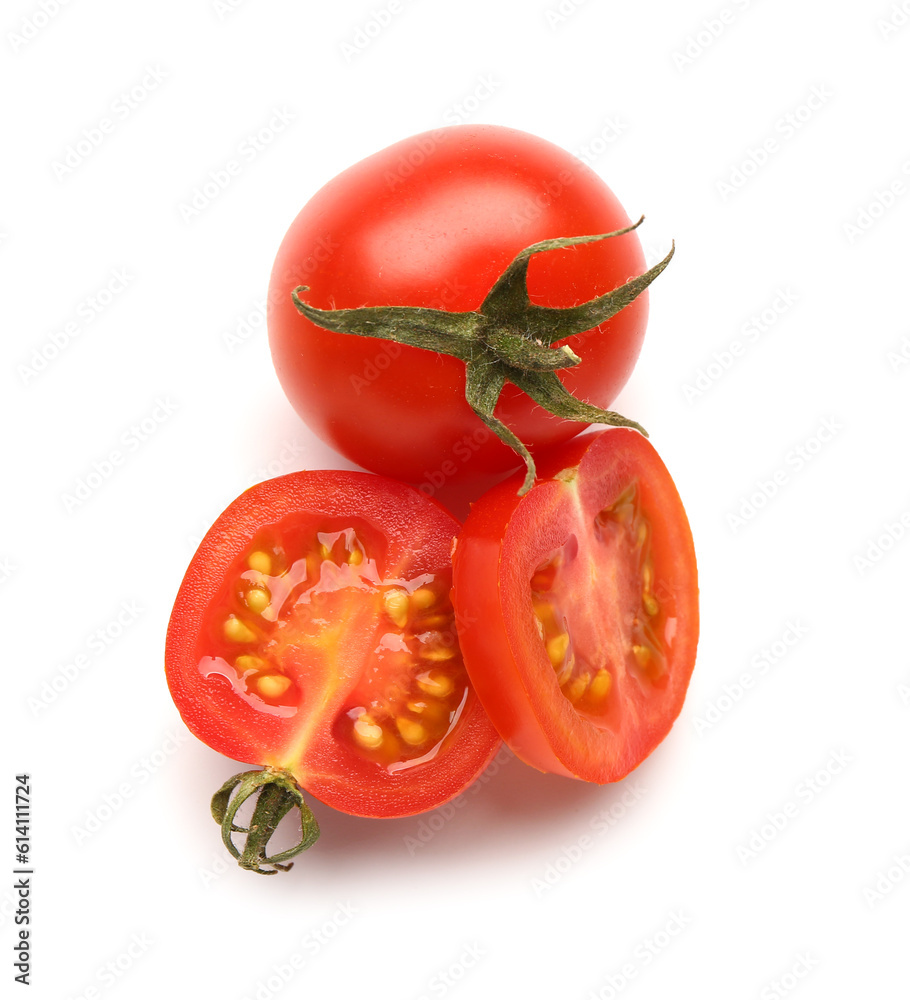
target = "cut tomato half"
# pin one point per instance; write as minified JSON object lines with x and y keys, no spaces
{"x":577,"y":606}
{"x":313,"y":634}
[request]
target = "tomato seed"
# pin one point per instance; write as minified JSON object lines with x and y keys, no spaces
{"x":237,"y":631}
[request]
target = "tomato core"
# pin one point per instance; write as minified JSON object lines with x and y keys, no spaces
{"x":309,"y":617}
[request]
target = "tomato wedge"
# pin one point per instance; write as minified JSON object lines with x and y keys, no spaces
{"x":577,"y":606}
{"x":313,"y":634}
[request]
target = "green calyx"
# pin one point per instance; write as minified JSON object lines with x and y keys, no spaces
{"x":278,"y":795}
{"x":508,"y":339}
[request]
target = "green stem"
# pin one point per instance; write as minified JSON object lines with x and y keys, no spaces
{"x":508,"y":339}
{"x":278,"y":795}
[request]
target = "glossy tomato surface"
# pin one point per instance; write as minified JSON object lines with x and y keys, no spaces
{"x":433,"y":221}
{"x":313,"y":633}
{"x":577,"y":606}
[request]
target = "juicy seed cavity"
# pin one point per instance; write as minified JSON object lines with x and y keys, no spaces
{"x":613,"y":630}
{"x":286,"y":605}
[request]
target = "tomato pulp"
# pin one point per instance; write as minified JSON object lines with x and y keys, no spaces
{"x":432,"y":222}
{"x":577,"y":607}
{"x":313,"y":634}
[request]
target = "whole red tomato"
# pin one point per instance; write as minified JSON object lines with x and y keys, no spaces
{"x":433,"y":222}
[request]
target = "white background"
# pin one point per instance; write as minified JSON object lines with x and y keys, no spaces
{"x":671,"y":101}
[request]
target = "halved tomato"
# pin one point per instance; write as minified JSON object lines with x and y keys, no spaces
{"x":313,"y":634}
{"x":577,"y":606}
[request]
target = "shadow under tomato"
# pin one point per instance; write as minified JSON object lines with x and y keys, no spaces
{"x":512,"y":808}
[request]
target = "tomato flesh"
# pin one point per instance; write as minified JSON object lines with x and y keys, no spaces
{"x":590,"y":585}
{"x":325,"y":644}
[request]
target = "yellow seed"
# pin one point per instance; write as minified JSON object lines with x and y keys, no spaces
{"x":557,"y":648}
{"x":273,"y":685}
{"x":412,"y":732}
{"x":245,"y":663}
{"x":257,"y":599}
{"x":429,"y":711}
{"x":544,"y":611}
{"x":641,"y":534}
{"x":600,"y":686}
{"x":649,"y":602}
{"x":540,"y":630}
{"x":642,"y":655}
{"x":324,"y":551}
{"x":437,"y":653}
{"x":436,"y":684}
{"x":367,"y":733}
{"x":435,"y":621}
{"x":396,"y":606}
{"x":356,"y":557}
{"x":576,"y":687}
{"x":237,"y":631}
{"x":647,"y":575}
{"x":423,"y":598}
{"x":260,"y":561}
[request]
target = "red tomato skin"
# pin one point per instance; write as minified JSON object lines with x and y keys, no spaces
{"x":432,"y":221}
{"x":332,"y":773}
{"x":492,"y":571}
